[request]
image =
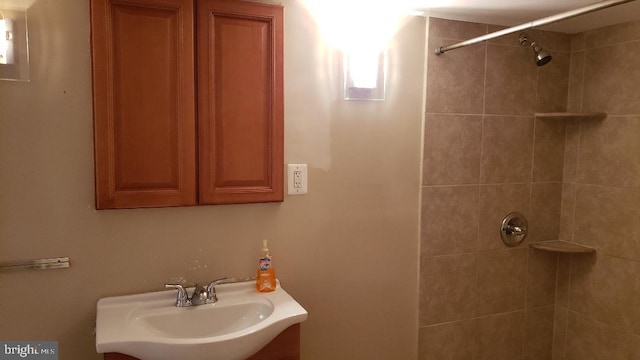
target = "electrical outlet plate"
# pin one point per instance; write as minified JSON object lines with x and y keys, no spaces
{"x":297,"y":179}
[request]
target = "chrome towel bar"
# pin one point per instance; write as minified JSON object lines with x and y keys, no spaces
{"x":36,"y":264}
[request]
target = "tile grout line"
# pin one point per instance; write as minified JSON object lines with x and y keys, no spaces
{"x":480,"y":174}
{"x":533,"y":152}
{"x":575,"y":186}
{"x":555,"y":304}
{"x":533,"y":114}
{"x":507,"y":183}
{"x":566,"y":325}
{"x":484,"y":110}
{"x":582,"y":82}
{"x":485,"y":316}
{"x":527,"y":262}
{"x":630,"y":331}
{"x":577,"y":155}
{"x":526,"y":296}
{"x":618,"y":43}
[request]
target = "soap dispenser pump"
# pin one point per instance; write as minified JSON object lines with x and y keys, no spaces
{"x":266,"y":277}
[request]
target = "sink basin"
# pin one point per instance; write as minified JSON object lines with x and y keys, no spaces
{"x":149,"y":327}
{"x":202,"y":321}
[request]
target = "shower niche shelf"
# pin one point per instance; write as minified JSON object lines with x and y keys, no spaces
{"x":572,"y":115}
{"x":561,"y":246}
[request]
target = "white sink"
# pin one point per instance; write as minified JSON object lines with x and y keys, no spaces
{"x":149,"y":327}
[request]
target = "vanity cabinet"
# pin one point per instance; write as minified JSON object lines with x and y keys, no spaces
{"x":285,"y":346}
{"x":168,"y":132}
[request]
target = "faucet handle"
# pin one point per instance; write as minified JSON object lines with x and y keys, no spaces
{"x":200,"y":295}
{"x":182,"y":299}
{"x":211,"y":289}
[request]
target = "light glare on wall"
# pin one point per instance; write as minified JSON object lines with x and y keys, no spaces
{"x":14,"y":40}
{"x":364,"y":75}
{"x":6,"y":40}
{"x":362,"y":30}
{"x":350,"y":24}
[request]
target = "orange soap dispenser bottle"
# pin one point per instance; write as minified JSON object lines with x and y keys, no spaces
{"x":266,"y":277}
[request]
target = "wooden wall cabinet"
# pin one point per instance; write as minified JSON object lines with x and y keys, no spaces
{"x":168,"y":133}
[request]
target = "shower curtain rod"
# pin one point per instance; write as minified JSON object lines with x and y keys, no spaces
{"x":528,"y":25}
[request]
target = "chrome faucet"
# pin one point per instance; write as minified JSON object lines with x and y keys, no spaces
{"x":200,"y":295}
{"x":183,"y":299}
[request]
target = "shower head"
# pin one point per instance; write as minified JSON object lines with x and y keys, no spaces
{"x":542,"y":56}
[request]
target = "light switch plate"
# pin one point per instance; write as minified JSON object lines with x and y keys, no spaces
{"x":297,"y":179}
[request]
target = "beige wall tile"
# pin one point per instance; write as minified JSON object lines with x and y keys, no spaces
{"x":496,"y":202}
{"x":610,"y":151}
{"x":605,"y":153}
{"x":612,"y":35}
{"x":576,"y":82}
{"x":510,"y":81}
{"x":553,"y":83}
{"x":552,"y":41}
{"x":611,"y":79}
{"x":635,"y":309}
{"x":538,"y":343}
{"x":571,"y":148}
{"x":548,"y":150}
{"x":444,"y":210}
{"x":563,"y":280}
{"x":507,"y":148}
{"x":453,"y":341}
{"x":501,"y":282}
{"x":447,"y":288}
{"x":606,"y":218}
{"x":458,"y":30}
{"x":500,"y":337}
{"x":567,"y":208}
{"x":452,"y":146}
{"x":588,"y":339}
{"x":544,"y":217}
{"x":455,"y":82}
{"x":578,"y":42}
{"x":559,"y":332}
{"x":605,"y":288}
{"x":541,"y":280}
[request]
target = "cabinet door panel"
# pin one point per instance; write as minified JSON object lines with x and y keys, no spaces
{"x":240,"y":102}
{"x":144,"y":113}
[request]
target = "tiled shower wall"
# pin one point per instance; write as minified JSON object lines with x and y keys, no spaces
{"x":485,"y":156}
{"x":598,"y":302}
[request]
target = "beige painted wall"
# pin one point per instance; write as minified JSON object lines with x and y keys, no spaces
{"x":347,"y":251}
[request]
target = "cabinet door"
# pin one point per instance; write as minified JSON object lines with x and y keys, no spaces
{"x":144,"y":107}
{"x":240,"y":102}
